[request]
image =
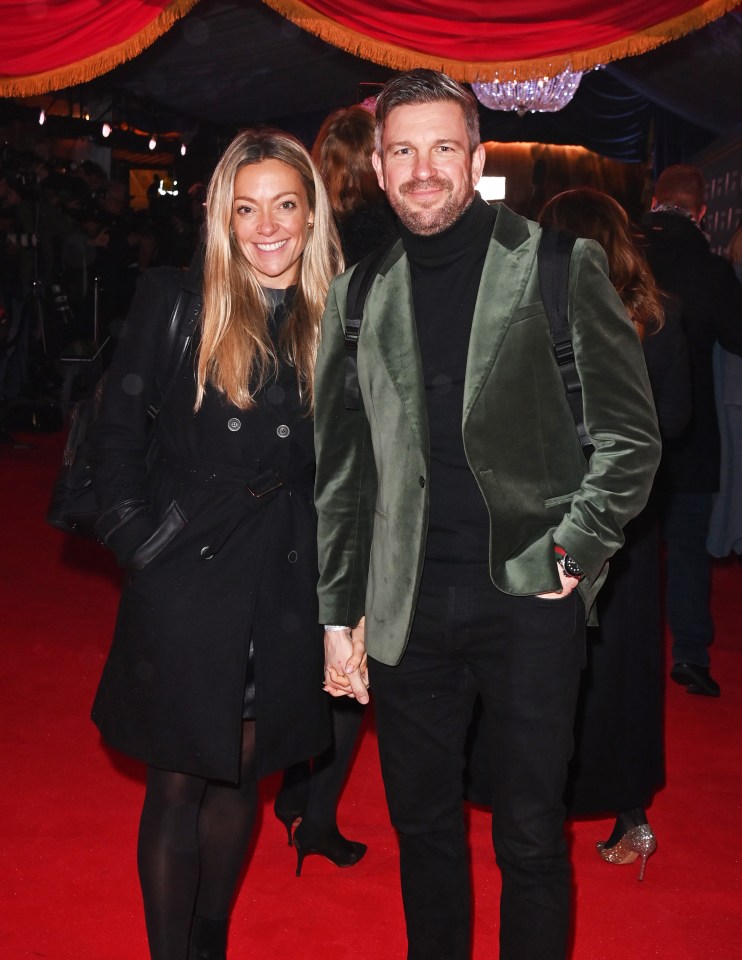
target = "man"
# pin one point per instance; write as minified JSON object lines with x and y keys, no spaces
{"x":457,"y":513}
{"x":710,"y":300}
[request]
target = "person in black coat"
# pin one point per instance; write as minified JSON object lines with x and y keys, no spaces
{"x":618,"y":764}
{"x":214,"y":677}
{"x":342,"y":152}
{"x":710,"y":299}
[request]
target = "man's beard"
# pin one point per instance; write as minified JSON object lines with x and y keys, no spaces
{"x":428,"y":222}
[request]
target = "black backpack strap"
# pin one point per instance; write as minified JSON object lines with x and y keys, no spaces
{"x":360,"y":283}
{"x":554,"y":253}
{"x":174,"y":347}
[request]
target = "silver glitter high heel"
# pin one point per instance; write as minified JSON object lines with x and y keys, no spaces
{"x":637,"y":842}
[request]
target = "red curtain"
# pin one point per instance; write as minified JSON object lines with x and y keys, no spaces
{"x":478,"y":39}
{"x":49,"y":44}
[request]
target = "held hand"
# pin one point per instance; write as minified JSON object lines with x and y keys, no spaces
{"x":568,"y":585}
{"x":359,"y":659}
{"x":345,"y":664}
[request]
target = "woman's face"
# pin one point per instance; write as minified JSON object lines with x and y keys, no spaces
{"x":271,"y":220}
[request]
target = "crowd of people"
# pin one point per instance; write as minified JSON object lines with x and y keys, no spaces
{"x":409,"y":482}
{"x":71,"y":251}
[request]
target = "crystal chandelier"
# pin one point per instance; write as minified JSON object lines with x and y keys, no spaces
{"x":544,"y":94}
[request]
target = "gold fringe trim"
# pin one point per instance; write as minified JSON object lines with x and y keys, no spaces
{"x":404,"y":58}
{"x":99,"y":63}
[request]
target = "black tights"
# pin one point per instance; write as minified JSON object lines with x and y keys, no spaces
{"x":193,"y":836}
{"x":321,"y":790}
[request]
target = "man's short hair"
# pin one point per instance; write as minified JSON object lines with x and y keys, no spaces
{"x":426,"y":86}
{"x":682,"y":185}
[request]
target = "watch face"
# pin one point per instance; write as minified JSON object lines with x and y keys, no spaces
{"x":571,"y":567}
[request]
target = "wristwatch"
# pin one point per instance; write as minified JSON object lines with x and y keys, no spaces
{"x":570,"y":566}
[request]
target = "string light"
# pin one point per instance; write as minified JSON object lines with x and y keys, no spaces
{"x":106,"y":129}
{"x":183,"y":150}
{"x":153,"y":142}
{"x":42,"y":117}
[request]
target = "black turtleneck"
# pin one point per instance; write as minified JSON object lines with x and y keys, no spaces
{"x":446,"y":269}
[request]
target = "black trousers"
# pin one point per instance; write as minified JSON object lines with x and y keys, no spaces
{"x":524,"y":656}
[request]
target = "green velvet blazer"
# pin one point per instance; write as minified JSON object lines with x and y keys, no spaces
{"x":519,"y":436}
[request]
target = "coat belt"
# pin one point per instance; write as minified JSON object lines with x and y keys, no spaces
{"x":252,"y":489}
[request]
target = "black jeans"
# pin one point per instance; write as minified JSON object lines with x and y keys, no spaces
{"x":524,"y":656}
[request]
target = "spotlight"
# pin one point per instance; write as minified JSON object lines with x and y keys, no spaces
{"x":42,"y":117}
{"x":153,"y":142}
{"x":106,"y":130}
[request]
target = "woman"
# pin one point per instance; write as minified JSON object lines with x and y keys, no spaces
{"x":215,"y":673}
{"x":619,"y":760}
{"x":342,"y":151}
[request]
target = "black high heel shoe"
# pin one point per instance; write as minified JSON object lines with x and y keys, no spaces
{"x":289,"y":808}
{"x":328,"y":843}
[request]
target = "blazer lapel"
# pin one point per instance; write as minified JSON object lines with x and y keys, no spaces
{"x":506,"y":270}
{"x":392,"y":321}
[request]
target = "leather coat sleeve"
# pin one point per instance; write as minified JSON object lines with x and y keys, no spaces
{"x":345,"y":486}
{"x":121,"y":431}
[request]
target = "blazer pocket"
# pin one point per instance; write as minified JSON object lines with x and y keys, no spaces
{"x":557,"y":501}
{"x":172,"y":523}
{"x":527,"y":311}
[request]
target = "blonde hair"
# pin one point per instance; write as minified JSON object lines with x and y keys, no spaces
{"x":236,"y":354}
{"x":595,"y":215}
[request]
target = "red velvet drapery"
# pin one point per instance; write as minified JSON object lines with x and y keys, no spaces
{"x":480,"y":39}
{"x":50,"y":44}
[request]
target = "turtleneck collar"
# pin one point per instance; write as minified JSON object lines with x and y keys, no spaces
{"x":453,"y":242}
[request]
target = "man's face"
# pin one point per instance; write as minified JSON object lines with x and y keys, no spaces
{"x":425,"y":166}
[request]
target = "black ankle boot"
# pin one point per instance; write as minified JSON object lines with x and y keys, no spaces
{"x":208,"y":939}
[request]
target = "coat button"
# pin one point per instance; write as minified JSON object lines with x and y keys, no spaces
{"x":422,"y":481}
{"x":283,"y":431}
{"x":206,"y":553}
{"x":293,"y":556}
{"x":234,"y":424}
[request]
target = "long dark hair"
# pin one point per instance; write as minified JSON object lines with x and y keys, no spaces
{"x":595,"y":215}
{"x":342,"y":151}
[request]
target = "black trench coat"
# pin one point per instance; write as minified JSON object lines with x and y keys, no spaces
{"x":240,"y":573}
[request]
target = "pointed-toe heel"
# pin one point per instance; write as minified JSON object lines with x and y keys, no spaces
{"x":638,"y":842}
{"x":329,"y":843}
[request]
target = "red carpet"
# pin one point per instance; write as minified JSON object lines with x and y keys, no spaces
{"x":69,"y":809}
